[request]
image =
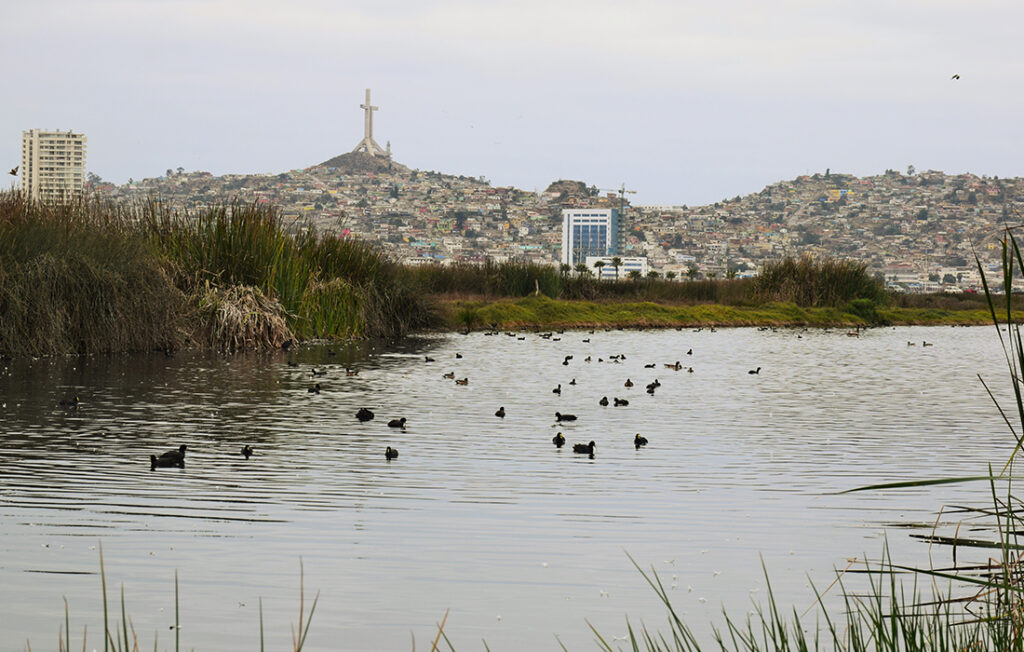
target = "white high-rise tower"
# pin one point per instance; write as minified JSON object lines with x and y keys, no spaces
{"x":52,"y":165}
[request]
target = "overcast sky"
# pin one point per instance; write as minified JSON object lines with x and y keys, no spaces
{"x":687,"y":102}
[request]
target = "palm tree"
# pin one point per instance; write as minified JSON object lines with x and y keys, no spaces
{"x":691,"y":272}
{"x":653,"y":274}
{"x":616,"y":263}
{"x":634,"y":274}
{"x":565,"y":268}
{"x":599,"y":264}
{"x":670,"y":276}
{"x":582,"y":269}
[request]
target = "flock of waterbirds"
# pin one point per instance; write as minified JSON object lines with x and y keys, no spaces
{"x":176,"y":457}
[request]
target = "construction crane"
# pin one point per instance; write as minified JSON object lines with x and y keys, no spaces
{"x":620,"y":243}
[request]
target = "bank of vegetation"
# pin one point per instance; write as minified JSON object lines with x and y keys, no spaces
{"x":94,"y":277}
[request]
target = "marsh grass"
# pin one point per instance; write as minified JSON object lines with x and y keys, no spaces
{"x":93,"y":276}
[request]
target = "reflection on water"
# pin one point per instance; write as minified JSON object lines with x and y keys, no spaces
{"x":479,"y":514}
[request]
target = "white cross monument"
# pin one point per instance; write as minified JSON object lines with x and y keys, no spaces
{"x":368,"y":144}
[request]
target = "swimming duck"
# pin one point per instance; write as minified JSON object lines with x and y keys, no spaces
{"x":501,"y":412}
{"x":315,"y":389}
{"x":458,"y":356}
{"x":675,"y":366}
{"x":558,"y":440}
{"x":427,"y":358}
{"x":755,"y":371}
{"x":587,"y":449}
{"x":69,"y":403}
{"x":628,"y":383}
{"x":690,"y":352}
{"x":364,"y":414}
{"x":313,"y":372}
{"x":390,"y":453}
{"x":462,"y":381}
{"x":170,"y":458}
{"x":557,"y":390}
{"x":397,"y":423}
{"x":293,"y":364}
{"x":572,"y":382}
{"x":449,"y":375}
{"x":246,"y":451}
{"x":621,"y":402}
{"x":639,"y":441}
{"x":649,"y":366}
{"x":351,"y":372}
{"x":603,"y":401}
{"x":564,"y":417}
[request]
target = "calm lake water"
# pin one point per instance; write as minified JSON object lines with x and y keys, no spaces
{"x":479,"y":515}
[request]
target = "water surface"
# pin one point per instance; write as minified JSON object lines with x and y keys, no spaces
{"x":479,"y":515}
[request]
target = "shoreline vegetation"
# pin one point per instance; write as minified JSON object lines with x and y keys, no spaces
{"x":97,"y":277}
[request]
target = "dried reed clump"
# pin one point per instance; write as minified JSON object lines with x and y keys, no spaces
{"x":240,"y":318}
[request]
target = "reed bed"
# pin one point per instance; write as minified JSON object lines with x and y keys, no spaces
{"x":812,"y":283}
{"x":93,"y":276}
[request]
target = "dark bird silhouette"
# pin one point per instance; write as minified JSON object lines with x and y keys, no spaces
{"x":427,"y":358}
{"x":168,"y":459}
{"x":315,"y":389}
{"x":458,"y":356}
{"x":313,"y":372}
{"x":628,"y":383}
{"x":558,"y":440}
{"x":450,"y":375}
{"x":587,"y":449}
{"x":287,"y":344}
{"x":364,"y":414}
{"x":649,"y":366}
{"x":621,"y":402}
{"x":351,"y":372}
{"x":572,"y":382}
{"x":564,"y":417}
{"x":501,"y":412}
{"x":953,"y":77}
{"x":292,"y":363}
{"x":603,"y":401}
{"x":639,"y":441}
{"x":390,"y":453}
{"x":69,"y":403}
{"x":557,"y":390}
{"x":755,"y":371}
{"x":246,"y":451}
{"x":462,"y":381}
{"x":690,"y":352}
{"x":397,"y":423}
{"x":14,"y":171}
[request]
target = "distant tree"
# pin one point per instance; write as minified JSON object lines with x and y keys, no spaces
{"x":565,"y":268}
{"x":670,"y":275}
{"x":922,"y":214}
{"x":933,"y":278}
{"x":599,"y":265}
{"x":653,"y":274}
{"x":169,"y":173}
{"x":582,"y":270}
{"x":181,"y":170}
{"x":691,"y":272}
{"x":712,"y":275}
{"x":634,"y":274}
{"x":949,"y":279}
{"x":616,"y":263}
{"x":730,"y":273}
{"x":911,"y":170}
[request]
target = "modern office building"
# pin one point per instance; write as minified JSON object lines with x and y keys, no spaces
{"x":52,"y":165}
{"x":589,"y":232}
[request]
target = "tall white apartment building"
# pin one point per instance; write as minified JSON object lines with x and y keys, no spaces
{"x":589,"y":232}
{"x":52,"y":165}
